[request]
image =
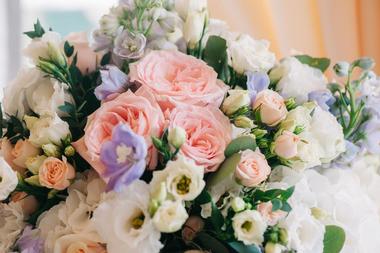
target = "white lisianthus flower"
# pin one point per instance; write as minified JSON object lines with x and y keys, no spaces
{"x":305,"y":233}
{"x":8,"y":179}
{"x":182,"y":177}
{"x":170,"y":216}
{"x":46,"y":129}
{"x":297,"y":80}
{"x":248,"y":54}
{"x":38,"y":47}
{"x":249,"y":227}
{"x":124,"y":223}
{"x":328,"y":133}
{"x":11,"y":224}
{"x":31,"y":91}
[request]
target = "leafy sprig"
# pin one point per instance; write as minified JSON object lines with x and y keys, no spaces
{"x":38,"y":31}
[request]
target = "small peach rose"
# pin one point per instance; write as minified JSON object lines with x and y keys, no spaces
{"x":78,"y":243}
{"x":88,"y":59}
{"x":29,"y":203}
{"x":56,"y":174}
{"x":252,"y":169}
{"x":285,"y":146}
{"x":271,"y":106}
{"x":272,"y":218}
{"x":23,"y":150}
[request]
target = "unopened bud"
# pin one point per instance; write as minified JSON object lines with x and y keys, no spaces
{"x":290,"y":104}
{"x":283,"y":236}
{"x":237,"y":204}
{"x":56,"y":55}
{"x":33,"y":180}
{"x":365,"y":63}
{"x":177,"y":137}
{"x":69,"y":151}
{"x":259,"y":133}
{"x":244,"y":122}
{"x":341,"y":68}
{"x":51,"y":150}
{"x":271,"y":247}
{"x":160,"y":194}
{"x":236,"y":100}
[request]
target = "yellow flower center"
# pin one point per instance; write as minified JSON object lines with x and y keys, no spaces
{"x":247,"y":226}
{"x":138,"y":221}
{"x":183,"y":185}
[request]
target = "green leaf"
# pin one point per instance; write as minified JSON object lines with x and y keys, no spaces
{"x":242,"y":248}
{"x":334,"y":239}
{"x":239,"y":144}
{"x":203,"y":198}
{"x":37,"y":32}
{"x":320,"y":63}
{"x":216,"y":218}
{"x":211,"y":244}
{"x":68,"y":108}
{"x":105,"y":59}
{"x":276,"y":205}
{"x":215,"y":55}
{"x":69,"y":49}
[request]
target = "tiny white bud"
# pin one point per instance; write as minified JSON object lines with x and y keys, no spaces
{"x":56,"y":55}
{"x":237,"y":204}
{"x":51,"y":150}
{"x":236,"y":100}
{"x":177,"y":137}
{"x":365,"y":63}
{"x":341,"y":68}
{"x":244,"y":122}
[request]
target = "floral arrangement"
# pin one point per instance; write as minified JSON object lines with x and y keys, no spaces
{"x":172,"y":134}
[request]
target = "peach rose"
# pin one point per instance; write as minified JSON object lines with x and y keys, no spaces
{"x":6,"y":152}
{"x":272,"y":218}
{"x":176,"y":78}
{"x":29,"y":203}
{"x":252,"y":169}
{"x":88,"y":59}
{"x":139,"y":111}
{"x":23,"y":150}
{"x":56,"y":174}
{"x":271,"y":106}
{"x":286,"y":145}
{"x":78,"y":243}
{"x":208,"y":133}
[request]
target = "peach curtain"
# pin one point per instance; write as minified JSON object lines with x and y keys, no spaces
{"x":338,"y":29}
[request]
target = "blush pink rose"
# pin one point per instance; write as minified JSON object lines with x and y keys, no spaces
{"x":208,"y":132}
{"x":139,"y":110}
{"x":272,"y":218}
{"x":286,"y":145}
{"x":253,"y":168}
{"x":56,"y":174}
{"x":271,"y":106}
{"x":88,"y":59}
{"x":23,"y":150}
{"x":176,"y":78}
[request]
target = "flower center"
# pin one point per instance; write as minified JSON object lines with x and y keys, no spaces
{"x":183,"y":185}
{"x":138,"y":221}
{"x":130,"y":45}
{"x":247,"y":226}
{"x":123,"y":153}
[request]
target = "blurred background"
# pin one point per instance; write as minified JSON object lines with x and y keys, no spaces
{"x":339,"y":29}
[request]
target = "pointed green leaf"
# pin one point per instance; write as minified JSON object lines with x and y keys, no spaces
{"x":69,"y":49}
{"x":242,"y":248}
{"x":320,"y":63}
{"x":334,"y":239}
{"x":240,"y":144}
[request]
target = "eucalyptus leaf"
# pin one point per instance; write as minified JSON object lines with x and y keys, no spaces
{"x":242,"y":248}
{"x":212,"y":244}
{"x":334,"y":239}
{"x":215,"y":55}
{"x":240,"y":144}
{"x":69,"y":49}
{"x":320,"y":63}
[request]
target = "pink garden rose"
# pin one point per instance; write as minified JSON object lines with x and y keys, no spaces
{"x":271,"y":106}
{"x":176,"y":78}
{"x":286,"y":145}
{"x":56,"y":174}
{"x":139,"y":110}
{"x":88,"y":59}
{"x":272,"y":218}
{"x":208,"y":132}
{"x":253,"y":168}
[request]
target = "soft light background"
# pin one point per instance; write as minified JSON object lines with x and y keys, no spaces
{"x":340,"y":29}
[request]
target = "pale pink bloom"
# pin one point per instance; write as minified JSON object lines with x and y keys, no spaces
{"x":271,"y":106}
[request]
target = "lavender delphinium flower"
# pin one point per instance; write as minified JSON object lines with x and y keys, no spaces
{"x":372,"y":132}
{"x":129,"y":45}
{"x":256,"y":82}
{"x":113,"y":81}
{"x":370,"y":94}
{"x":124,"y":157}
{"x":29,"y":242}
{"x":324,"y":98}
{"x":350,"y":154}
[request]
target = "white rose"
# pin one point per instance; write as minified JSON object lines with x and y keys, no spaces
{"x":74,"y":243}
{"x":184,"y":7}
{"x":249,"y":227}
{"x":46,"y":129}
{"x":124,"y":223}
{"x":38,"y":47}
{"x":305,"y":233}
{"x":31,"y":91}
{"x":170,"y":216}
{"x":248,"y":54}
{"x":297,"y":80}
{"x":182,"y":177}
{"x":11,"y":224}
{"x":328,"y":133}
{"x":8,"y":179}
{"x":235,"y":100}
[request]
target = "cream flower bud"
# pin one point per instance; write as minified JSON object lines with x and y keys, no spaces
{"x":161,"y":194}
{"x":177,"y":137}
{"x":33,"y":180}
{"x":341,"y":68}
{"x":237,"y":204}
{"x":193,"y":28}
{"x":69,"y":151}
{"x":244,"y":122}
{"x":274,"y":248}
{"x":55,"y":54}
{"x":170,"y":216}
{"x":236,"y":100}
{"x":51,"y":150}
{"x":33,"y":164}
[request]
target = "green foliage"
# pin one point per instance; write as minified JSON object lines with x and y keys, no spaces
{"x":37,"y":32}
{"x":106,"y":59}
{"x":242,"y":248}
{"x":320,"y":63}
{"x":240,"y":144}
{"x":68,"y":49}
{"x":15,"y":129}
{"x":278,"y":198}
{"x":163,"y":147}
{"x":334,"y":239}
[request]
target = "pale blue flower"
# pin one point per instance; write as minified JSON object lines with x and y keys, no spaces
{"x":372,"y":131}
{"x":29,"y":242}
{"x":124,"y":157}
{"x":256,"y":82}
{"x":113,"y":81}
{"x":324,"y":98}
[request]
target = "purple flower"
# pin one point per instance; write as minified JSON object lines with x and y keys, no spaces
{"x":324,"y":98}
{"x":256,"y":82}
{"x":129,"y":45}
{"x":29,"y":242}
{"x":113,"y":81}
{"x":372,"y":131}
{"x":124,"y":157}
